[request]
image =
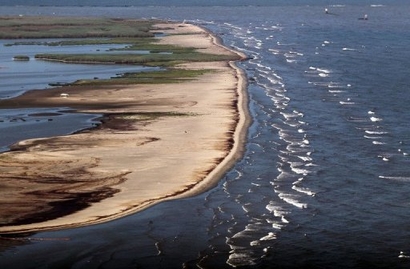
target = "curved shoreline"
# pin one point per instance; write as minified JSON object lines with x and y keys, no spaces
{"x":189,"y":189}
{"x":241,"y":129}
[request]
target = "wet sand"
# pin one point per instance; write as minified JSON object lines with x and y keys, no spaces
{"x":133,"y":160}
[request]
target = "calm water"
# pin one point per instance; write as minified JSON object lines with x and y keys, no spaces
{"x":19,"y":76}
{"x":325,"y":180}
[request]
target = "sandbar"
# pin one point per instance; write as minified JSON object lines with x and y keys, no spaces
{"x":127,"y":164}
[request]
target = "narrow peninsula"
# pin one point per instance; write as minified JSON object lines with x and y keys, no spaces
{"x":164,"y":134}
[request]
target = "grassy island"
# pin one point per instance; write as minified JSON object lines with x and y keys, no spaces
{"x":168,"y":133}
{"x":21,"y":58}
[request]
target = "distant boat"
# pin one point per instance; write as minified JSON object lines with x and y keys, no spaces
{"x":364,"y":18}
{"x":328,"y":12}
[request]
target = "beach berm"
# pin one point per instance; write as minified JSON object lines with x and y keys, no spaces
{"x":157,"y":141}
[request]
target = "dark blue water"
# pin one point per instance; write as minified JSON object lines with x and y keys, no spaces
{"x":325,"y":179}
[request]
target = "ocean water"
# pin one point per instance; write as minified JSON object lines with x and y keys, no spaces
{"x":325,"y":180}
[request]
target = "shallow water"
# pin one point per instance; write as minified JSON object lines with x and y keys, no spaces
{"x":325,"y":178}
{"x":21,"y":124}
{"x":18,"y":77}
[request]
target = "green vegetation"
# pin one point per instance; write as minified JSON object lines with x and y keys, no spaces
{"x":86,"y":41}
{"x":135,"y":35}
{"x":21,"y":58}
{"x":70,"y":27}
{"x":157,"y":59}
{"x":154,"y":77}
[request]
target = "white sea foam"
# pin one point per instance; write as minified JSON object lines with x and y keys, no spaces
{"x":378,"y":142}
{"x":254,"y":243}
{"x":300,"y":171}
{"x":276,"y":210}
{"x":303,"y":190}
{"x":241,"y":234}
{"x":283,"y":98}
{"x":284,"y":220}
{"x":310,"y":164}
{"x":258,"y":226}
{"x":296,"y":148}
{"x":245,"y":208}
{"x":335,"y":85}
{"x":322,"y":70}
{"x":294,"y":124}
{"x":233,"y":26}
{"x":375,"y":132}
{"x":277,"y":226}
{"x":291,"y":199}
{"x":240,"y":259}
{"x":346,"y":103}
{"x":298,"y":181}
{"x":277,"y":76}
{"x":372,"y":137}
{"x":284,"y":175}
{"x":318,"y":83}
{"x":274,"y":80}
{"x":296,"y":53}
{"x":270,"y":236}
{"x":305,"y":158}
{"x":375,"y":119}
{"x":264,"y":72}
{"x":274,"y":51}
{"x":396,"y":178}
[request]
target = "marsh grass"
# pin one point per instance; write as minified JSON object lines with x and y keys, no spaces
{"x":159,"y":54}
{"x":21,"y":58}
{"x":135,"y":35}
{"x":171,"y":58}
{"x":72,"y":27}
{"x":152,"y":77}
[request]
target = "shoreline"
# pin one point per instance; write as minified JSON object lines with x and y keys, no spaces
{"x":113,"y":198}
{"x":241,"y":129}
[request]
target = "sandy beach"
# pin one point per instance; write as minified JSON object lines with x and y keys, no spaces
{"x":127,"y":163}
